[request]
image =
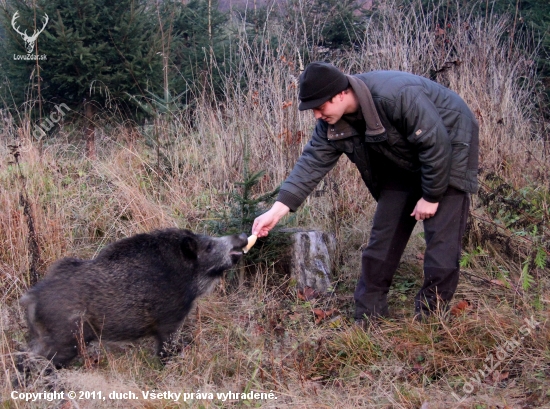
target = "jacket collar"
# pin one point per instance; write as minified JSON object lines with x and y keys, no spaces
{"x":374,"y":124}
{"x":375,"y":131}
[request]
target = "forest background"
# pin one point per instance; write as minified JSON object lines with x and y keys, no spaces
{"x":134,"y":115}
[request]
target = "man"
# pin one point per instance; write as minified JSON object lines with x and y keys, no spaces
{"x":415,"y":144}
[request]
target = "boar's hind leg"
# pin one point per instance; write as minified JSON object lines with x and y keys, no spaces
{"x":64,"y":355}
{"x":69,"y":341}
{"x":60,"y":340}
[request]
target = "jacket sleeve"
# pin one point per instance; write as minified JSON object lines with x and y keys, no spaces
{"x":317,"y":159}
{"x":423,"y":126}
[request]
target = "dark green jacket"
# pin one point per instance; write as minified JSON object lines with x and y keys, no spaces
{"x":416,"y":123}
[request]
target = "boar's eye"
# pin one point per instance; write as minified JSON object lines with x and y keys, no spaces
{"x":209,"y":247}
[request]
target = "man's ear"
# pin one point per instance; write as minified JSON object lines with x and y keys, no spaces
{"x":189,"y":247}
{"x":339,"y":97}
{"x":345,"y":92}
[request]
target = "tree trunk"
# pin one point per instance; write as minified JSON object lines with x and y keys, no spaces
{"x":310,"y":259}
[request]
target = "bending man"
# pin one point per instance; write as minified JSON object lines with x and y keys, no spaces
{"x":415,"y":144}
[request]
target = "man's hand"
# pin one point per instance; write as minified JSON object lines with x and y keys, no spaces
{"x":424,"y":210}
{"x":265,"y":222}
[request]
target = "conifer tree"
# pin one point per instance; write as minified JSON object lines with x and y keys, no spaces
{"x":199,"y":40}
{"x":96,"y":50}
{"x":330,"y":23}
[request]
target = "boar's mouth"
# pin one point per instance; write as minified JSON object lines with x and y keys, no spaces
{"x":236,"y":254}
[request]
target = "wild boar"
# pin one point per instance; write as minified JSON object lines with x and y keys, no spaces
{"x":140,"y":286}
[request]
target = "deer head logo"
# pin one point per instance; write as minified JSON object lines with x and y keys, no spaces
{"x":29,"y":41}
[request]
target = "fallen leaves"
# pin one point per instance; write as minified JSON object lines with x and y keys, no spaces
{"x":460,"y":308}
{"x":307,"y":294}
{"x":321,"y":315}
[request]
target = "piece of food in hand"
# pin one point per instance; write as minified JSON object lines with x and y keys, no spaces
{"x":251,"y":240}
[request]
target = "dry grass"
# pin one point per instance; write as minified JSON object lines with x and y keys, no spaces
{"x":261,"y":336}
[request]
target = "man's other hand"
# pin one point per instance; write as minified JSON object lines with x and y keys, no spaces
{"x":424,"y":210}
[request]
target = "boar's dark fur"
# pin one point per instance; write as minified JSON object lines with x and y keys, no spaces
{"x":139,"y":286}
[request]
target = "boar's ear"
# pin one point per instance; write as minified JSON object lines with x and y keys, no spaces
{"x":189,"y":247}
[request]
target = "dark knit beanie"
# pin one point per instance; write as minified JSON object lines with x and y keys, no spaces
{"x":320,"y":82}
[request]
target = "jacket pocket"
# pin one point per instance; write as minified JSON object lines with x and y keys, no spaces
{"x":459,"y":158}
{"x":394,"y":138}
{"x":343,"y":145}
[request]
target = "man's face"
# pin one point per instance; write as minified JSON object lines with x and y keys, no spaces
{"x":331,"y":111}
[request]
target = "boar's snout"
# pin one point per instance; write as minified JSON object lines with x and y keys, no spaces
{"x":238,"y":242}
